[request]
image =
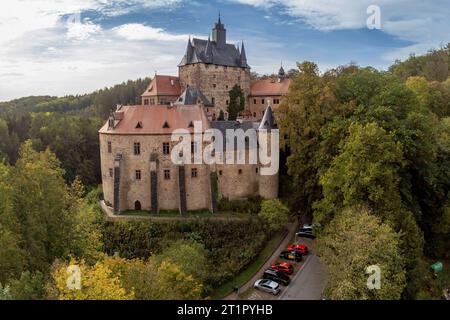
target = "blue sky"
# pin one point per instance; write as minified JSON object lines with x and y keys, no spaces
{"x":68,"y":47}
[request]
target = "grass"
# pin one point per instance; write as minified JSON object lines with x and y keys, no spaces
{"x":250,"y":271}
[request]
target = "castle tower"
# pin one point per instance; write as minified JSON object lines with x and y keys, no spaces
{"x":219,"y":34}
{"x":268,"y":184}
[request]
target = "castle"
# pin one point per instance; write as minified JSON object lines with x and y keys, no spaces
{"x":136,"y":141}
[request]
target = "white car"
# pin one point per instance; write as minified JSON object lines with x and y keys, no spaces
{"x":310,"y":226}
{"x":267,"y":285}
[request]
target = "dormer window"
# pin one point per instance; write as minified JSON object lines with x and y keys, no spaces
{"x":191,"y":125}
{"x":139,"y":125}
{"x":111,"y":123}
{"x":166,"y":125}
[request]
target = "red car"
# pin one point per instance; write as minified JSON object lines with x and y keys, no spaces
{"x":283,"y":267}
{"x":298,"y":248}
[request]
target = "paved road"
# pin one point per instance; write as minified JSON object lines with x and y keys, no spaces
{"x":308,"y":283}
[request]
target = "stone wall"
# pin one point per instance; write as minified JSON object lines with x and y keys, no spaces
{"x":197,"y":188}
{"x":257,"y":105}
{"x":215,"y":82}
{"x":235,"y":181}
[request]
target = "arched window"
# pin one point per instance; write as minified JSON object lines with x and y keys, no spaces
{"x":137,"y":205}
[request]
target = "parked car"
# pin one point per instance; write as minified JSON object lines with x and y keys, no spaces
{"x":284,"y":267}
{"x":305,"y":233}
{"x":291,"y":255}
{"x":277,"y":276}
{"x":310,"y":226}
{"x":267,"y":285}
{"x":300,"y":248}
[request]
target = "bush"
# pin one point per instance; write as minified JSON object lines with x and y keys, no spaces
{"x":230,"y":245}
{"x":252,"y":205}
{"x":274,"y":214}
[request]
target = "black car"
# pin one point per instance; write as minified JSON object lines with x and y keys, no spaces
{"x":291,"y":255}
{"x":305,"y":233}
{"x":276,"y":276}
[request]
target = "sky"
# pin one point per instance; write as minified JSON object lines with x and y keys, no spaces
{"x":61,"y":47}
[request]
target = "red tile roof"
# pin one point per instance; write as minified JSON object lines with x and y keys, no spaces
{"x":163,"y":86}
{"x":154,"y":117}
{"x":269,"y":87}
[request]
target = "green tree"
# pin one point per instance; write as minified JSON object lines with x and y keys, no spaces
{"x":307,"y":106}
{"x":236,"y":103}
{"x":274,"y":214}
{"x":366,"y":171}
{"x":30,"y":286}
{"x":190,"y":256}
{"x":353,"y":241}
{"x":43,"y":205}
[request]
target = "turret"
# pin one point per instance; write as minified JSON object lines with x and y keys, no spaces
{"x":219,"y":34}
{"x":268,"y":183}
{"x":281,"y":74}
{"x":243,"y":57}
{"x":208,"y":52}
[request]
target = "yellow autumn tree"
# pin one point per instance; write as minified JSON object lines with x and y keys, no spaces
{"x":174,"y":284}
{"x":97,"y":283}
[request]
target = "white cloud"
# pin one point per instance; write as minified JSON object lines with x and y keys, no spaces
{"x":137,"y":31}
{"x":424,"y":23}
{"x":46,"y":48}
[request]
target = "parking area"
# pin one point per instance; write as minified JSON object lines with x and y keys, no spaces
{"x":254,"y":294}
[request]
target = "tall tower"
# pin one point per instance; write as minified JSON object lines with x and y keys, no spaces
{"x":219,"y":34}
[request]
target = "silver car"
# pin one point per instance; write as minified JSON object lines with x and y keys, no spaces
{"x":267,"y":286}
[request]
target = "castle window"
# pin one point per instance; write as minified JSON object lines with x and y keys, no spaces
{"x":109,"y":147}
{"x":214,"y":85}
{"x":167,"y":174}
{"x":213,"y":101}
{"x":240,"y":171}
{"x":166,"y":124}
{"x":145,"y":101}
{"x":111,"y":123}
{"x":152,"y":101}
{"x":137,"y":148}
{"x":166,"y":148}
{"x":254,"y":101}
{"x":139,"y":125}
{"x":111,"y":172}
{"x":257,"y":170}
{"x":262,"y":101}
{"x":194,"y":173}
{"x":226,"y":87}
{"x":191,"y":125}
{"x":226,"y":102}
{"x":254,"y":114}
{"x":220,"y":172}
{"x":138,"y":174}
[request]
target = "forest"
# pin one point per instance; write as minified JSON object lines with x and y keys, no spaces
{"x":366,"y":153}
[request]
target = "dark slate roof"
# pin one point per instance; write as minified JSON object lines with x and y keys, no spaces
{"x":206,"y":51}
{"x":267,"y":121}
{"x":224,"y":125}
{"x":190,"y":96}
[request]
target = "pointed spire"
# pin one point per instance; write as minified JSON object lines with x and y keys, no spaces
{"x":243,"y":56}
{"x":219,"y":18}
{"x":208,"y":51}
{"x":281,"y":73}
{"x":267,"y":121}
